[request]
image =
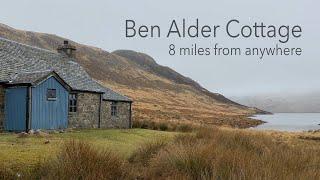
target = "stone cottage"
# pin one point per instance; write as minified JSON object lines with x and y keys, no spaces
{"x":42,"y":89}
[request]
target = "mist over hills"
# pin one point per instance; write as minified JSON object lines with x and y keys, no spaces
{"x":283,"y":102}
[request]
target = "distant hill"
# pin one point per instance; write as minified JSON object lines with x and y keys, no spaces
{"x":292,"y":103}
{"x":159,"y":93}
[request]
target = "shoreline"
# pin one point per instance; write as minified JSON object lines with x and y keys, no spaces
{"x":288,"y":122}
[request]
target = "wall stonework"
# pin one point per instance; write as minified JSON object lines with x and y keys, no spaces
{"x":2,"y":96}
{"x":87,"y":115}
{"x":122,"y":120}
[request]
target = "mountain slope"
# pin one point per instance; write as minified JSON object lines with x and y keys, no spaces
{"x":159,"y":93}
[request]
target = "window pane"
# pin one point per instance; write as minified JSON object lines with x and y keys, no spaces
{"x":51,"y":94}
{"x":113,"y":109}
{"x":72,"y":103}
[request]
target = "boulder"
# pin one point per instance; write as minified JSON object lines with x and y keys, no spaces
{"x":31,"y":131}
{"x":61,"y":131}
{"x":23,"y":135}
{"x":40,"y":133}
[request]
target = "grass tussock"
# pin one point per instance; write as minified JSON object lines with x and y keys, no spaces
{"x":221,"y":154}
{"x":146,"y":151}
{"x":79,"y":160}
{"x":6,"y":173}
{"x":164,"y":126}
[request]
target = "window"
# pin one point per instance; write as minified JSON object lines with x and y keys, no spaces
{"x":51,"y":94}
{"x":73,"y":102}
{"x":114,"y":110}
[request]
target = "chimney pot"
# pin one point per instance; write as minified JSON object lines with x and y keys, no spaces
{"x":67,"y":49}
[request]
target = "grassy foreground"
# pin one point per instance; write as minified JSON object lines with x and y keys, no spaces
{"x":29,"y":151}
{"x":210,"y":153}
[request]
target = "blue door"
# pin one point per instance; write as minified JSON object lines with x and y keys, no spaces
{"x":15,"y":109}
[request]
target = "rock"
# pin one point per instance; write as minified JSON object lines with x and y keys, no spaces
{"x":39,"y":133}
{"x":69,"y":130}
{"x":18,"y":175}
{"x":31,"y":131}
{"x":53,"y":132}
{"x":61,"y":131}
{"x":23,"y":135}
{"x":47,"y":142}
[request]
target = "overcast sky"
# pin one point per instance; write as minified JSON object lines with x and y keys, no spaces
{"x":102,"y":24}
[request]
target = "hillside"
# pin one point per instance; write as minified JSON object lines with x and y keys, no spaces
{"x":285,"y":103}
{"x":159,"y":93}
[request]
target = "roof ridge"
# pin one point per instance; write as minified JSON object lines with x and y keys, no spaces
{"x":34,"y":72}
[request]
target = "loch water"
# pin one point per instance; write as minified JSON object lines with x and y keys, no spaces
{"x":292,"y":122}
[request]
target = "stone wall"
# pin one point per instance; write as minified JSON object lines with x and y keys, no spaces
{"x":122,"y":120}
{"x":2,"y":95}
{"x":87,"y":115}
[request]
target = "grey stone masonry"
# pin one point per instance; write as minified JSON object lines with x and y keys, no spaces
{"x":121,"y":120}
{"x":87,"y":115}
{"x":2,"y":96}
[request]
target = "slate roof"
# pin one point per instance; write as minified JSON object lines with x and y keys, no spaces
{"x":17,"y":58}
{"x":28,"y":77}
{"x":35,"y":78}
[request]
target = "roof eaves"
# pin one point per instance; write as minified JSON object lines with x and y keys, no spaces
{"x":88,"y":91}
{"x":129,"y":100}
{"x":17,"y":84}
{"x":3,"y":82}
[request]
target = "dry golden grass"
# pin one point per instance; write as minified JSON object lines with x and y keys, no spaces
{"x":206,"y":153}
{"x":186,"y":107}
{"x":235,"y":154}
{"x":78,"y":160}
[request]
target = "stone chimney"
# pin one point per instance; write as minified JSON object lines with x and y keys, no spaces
{"x":67,"y":49}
